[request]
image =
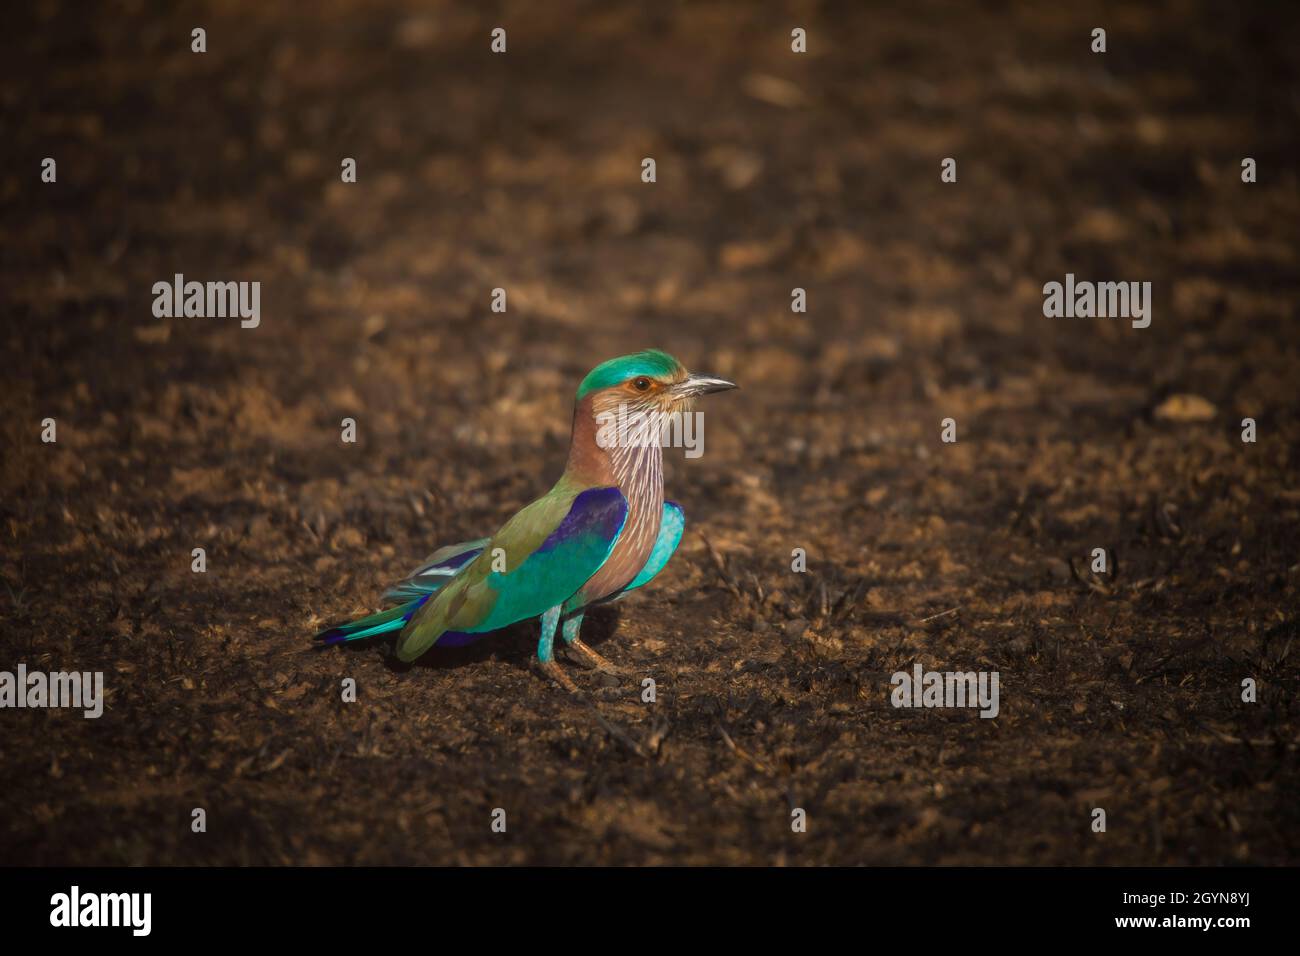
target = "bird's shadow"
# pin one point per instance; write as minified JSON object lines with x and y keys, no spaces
{"x":516,"y":644}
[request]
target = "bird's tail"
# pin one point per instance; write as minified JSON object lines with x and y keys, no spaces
{"x":393,"y":619}
{"x":406,"y":598}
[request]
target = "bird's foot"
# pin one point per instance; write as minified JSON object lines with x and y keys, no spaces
{"x":598,"y":662}
{"x":553,"y":670}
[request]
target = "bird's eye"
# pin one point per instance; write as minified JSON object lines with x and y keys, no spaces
{"x":641,"y":384}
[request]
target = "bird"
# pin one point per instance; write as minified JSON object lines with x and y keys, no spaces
{"x":603,"y":529}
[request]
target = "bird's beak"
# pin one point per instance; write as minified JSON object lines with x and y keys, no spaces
{"x":701,"y":385}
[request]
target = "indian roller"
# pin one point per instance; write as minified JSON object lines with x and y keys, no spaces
{"x":604,"y":529}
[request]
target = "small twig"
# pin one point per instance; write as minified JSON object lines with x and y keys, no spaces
{"x":720,"y":565}
{"x":619,"y":734}
{"x":847,"y":600}
{"x":935,"y":617}
{"x":1220,"y":737}
{"x":658,"y":734}
{"x":742,"y":753}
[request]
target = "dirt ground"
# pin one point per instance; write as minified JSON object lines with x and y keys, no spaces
{"x":775,"y":170}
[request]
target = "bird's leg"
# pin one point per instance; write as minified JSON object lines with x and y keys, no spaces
{"x":545,"y":652}
{"x":571,"y":627}
{"x":549,"y":666}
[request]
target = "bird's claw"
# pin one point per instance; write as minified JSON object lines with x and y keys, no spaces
{"x":596,"y":660}
{"x":553,"y":670}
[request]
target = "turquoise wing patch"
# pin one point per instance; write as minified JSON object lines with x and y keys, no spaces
{"x":670,"y":535}
{"x":562,"y":563}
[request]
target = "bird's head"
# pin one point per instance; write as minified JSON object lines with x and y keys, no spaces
{"x":649,"y":381}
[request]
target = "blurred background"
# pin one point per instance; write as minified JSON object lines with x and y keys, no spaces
{"x":775,"y":170}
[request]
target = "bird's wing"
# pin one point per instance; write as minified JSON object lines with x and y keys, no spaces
{"x":451,"y":555}
{"x":550,"y":549}
{"x":434,"y":572}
